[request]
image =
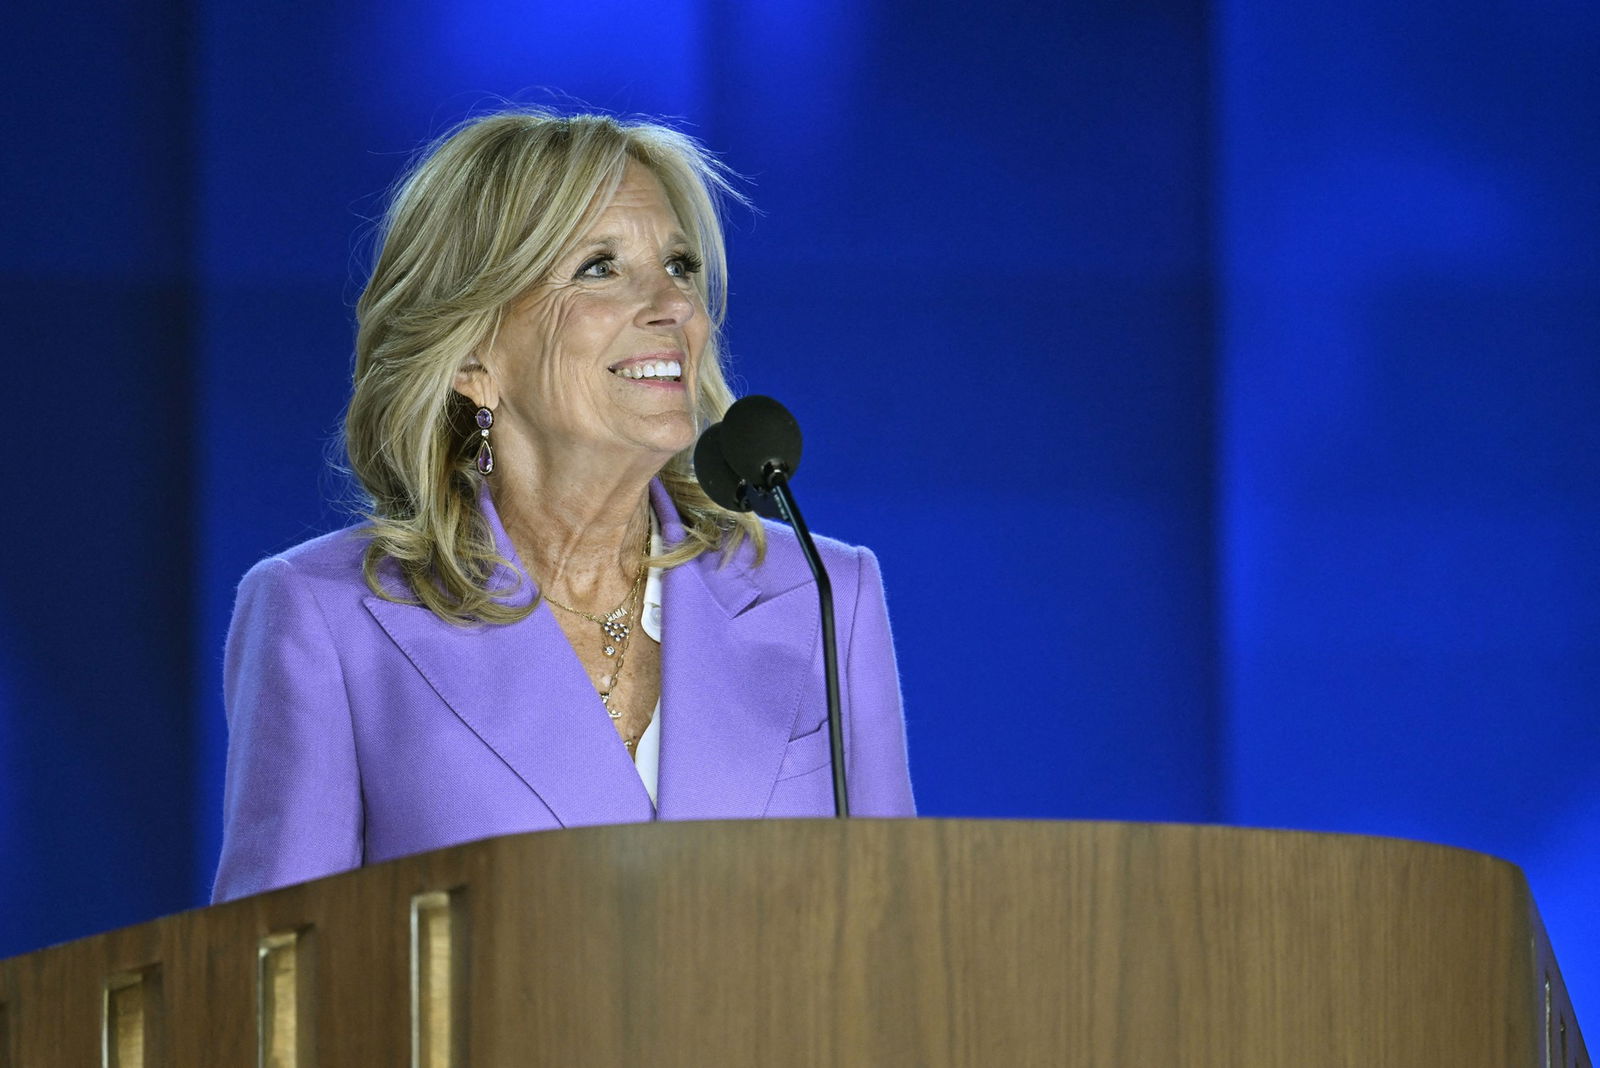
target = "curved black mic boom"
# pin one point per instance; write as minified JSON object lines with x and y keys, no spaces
{"x":747,"y":459}
{"x":830,"y":644}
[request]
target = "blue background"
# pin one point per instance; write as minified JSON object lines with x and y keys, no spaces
{"x":1219,"y":384}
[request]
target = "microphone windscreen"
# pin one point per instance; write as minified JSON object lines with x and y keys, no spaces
{"x":759,"y":434}
{"x":711,"y":470}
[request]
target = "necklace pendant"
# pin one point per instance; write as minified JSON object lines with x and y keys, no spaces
{"x":610,"y":650}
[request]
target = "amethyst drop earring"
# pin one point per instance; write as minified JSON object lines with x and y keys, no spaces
{"x":485,"y":419}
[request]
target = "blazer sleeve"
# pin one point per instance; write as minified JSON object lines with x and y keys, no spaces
{"x":878,"y":770}
{"x":292,"y":801}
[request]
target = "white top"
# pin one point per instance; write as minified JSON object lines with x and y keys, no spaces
{"x":647,"y":754}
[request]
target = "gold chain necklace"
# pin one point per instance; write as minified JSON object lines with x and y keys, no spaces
{"x":616,"y":628}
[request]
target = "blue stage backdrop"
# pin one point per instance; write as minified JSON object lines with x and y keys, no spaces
{"x":1219,"y":384}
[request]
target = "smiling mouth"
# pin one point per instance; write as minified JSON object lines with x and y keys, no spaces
{"x":651,"y":370}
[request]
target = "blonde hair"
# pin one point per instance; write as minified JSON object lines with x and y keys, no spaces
{"x":483,"y":216}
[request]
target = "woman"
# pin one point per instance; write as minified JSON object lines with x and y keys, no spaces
{"x":544,"y":621}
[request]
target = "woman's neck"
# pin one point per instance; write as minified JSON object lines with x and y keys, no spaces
{"x":581,"y":539}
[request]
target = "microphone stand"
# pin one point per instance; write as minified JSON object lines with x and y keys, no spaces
{"x":778,"y":485}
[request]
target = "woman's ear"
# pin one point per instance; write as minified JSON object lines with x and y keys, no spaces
{"x":475,"y":382}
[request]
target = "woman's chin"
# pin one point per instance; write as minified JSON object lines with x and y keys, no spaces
{"x":672,"y":434}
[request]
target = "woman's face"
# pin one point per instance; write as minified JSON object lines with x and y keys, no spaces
{"x":598,"y":363}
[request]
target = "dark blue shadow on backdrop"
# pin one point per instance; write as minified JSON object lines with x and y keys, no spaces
{"x":97,"y":746}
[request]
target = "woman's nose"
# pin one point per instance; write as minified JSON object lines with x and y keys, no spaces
{"x":669,"y":302}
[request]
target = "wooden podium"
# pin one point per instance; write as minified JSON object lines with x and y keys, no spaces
{"x":868,"y":942}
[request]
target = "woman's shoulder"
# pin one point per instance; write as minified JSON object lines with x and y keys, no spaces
{"x":333,"y":558}
{"x":785,"y":564}
{"x":314,"y":587}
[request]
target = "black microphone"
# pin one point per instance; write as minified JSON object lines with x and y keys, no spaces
{"x":744,"y":461}
{"x":711,"y":470}
{"x":760,"y":440}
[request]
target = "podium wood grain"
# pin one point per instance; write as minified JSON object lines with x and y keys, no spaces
{"x":870,"y":942}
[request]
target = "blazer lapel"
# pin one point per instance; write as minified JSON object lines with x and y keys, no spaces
{"x":734,"y":662}
{"x":523,"y":691}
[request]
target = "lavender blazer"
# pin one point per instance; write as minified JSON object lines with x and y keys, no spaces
{"x":361,"y":730}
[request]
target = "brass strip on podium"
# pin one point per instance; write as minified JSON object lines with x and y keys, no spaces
{"x":284,"y":999}
{"x":438,"y":995}
{"x":131,"y":1023}
{"x":1549,"y":1031}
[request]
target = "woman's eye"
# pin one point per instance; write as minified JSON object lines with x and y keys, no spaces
{"x":683,"y":266}
{"x":599,"y":267}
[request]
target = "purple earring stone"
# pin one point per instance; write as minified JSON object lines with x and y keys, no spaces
{"x":485,"y":458}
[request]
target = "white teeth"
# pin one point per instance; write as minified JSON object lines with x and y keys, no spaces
{"x":653,"y":369}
